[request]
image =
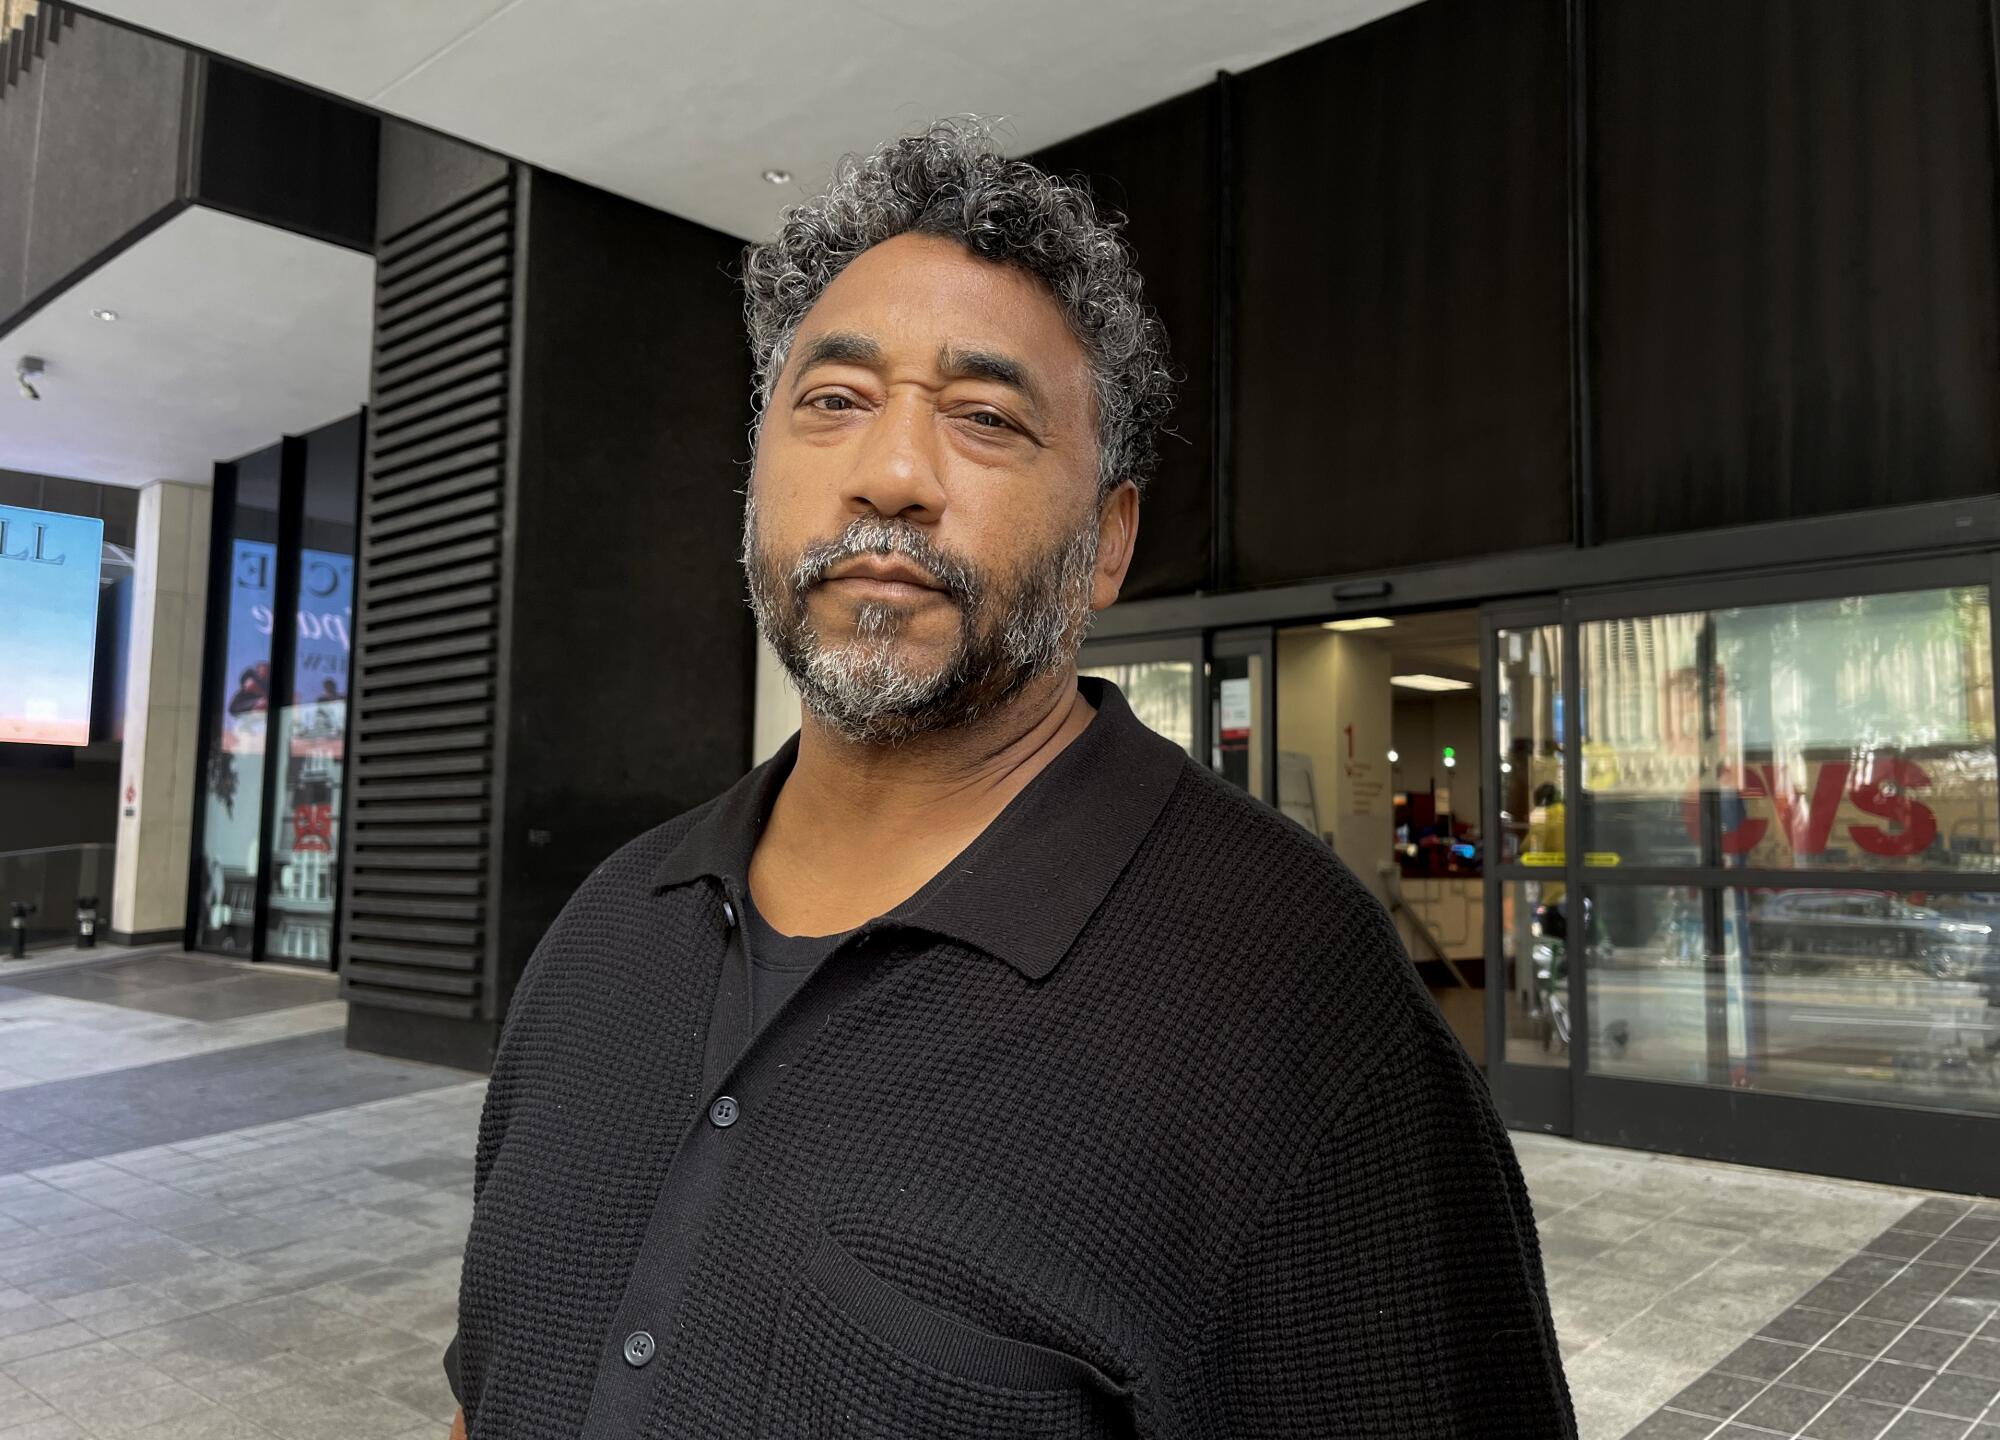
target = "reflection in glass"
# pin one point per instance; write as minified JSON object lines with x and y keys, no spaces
{"x":306,"y":823}
{"x":1160,"y":693}
{"x":1534,"y":944}
{"x":233,"y":787}
{"x":1530,"y":745}
{"x":1863,"y":994}
{"x":312,"y":736}
{"x":1236,"y":720}
{"x":1854,"y":733}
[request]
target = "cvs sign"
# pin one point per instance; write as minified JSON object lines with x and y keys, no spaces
{"x":1874,"y":804}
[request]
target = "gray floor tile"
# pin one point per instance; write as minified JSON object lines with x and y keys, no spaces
{"x":1894,"y":1384}
{"x":1851,"y":1419}
{"x":98,"y":1115}
{"x":1916,"y":1426}
{"x":1672,"y":1425}
{"x":1782,"y":1408}
{"x":1979,"y":1357}
{"x":1963,"y":1396}
{"x":1761,"y":1358}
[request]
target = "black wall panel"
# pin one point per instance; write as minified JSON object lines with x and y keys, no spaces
{"x":110,"y":131}
{"x":421,"y":171}
{"x":116,"y":505}
{"x":20,"y":131}
{"x":286,"y":156}
{"x":554,"y":653}
{"x":1402,"y":365}
{"x":417,"y":911}
{"x":1792,"y":274}
{"x":94,"y":132}
{"x":630,"y":648}
{"x":1158,"y":168}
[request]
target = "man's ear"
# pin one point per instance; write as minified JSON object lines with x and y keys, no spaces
{"x":1117,"y":535}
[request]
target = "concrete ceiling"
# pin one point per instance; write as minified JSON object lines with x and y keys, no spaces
{"x":229,"y":334}
{"x":684,"y":105}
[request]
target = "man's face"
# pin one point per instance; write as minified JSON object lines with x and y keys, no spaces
{"x":923,"y":537}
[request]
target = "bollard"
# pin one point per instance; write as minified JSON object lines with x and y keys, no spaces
{"x":19,"y":922}
{"x":86,"y":921}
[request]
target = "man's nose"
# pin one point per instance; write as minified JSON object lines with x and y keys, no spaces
{"x":896,"y":466}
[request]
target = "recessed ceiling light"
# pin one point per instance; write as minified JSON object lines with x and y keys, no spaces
{"x":778,"y":177}
{"x":105,"y":315}
{"x":1361,"y":622}
{"x":1429,"y":682}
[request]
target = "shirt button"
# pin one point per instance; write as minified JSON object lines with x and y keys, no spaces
{"x":638,"y":1348}
{"x":722,"y":1114}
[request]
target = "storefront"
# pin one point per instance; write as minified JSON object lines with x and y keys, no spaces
{"x":266,"y":851}
{"x":1736,"y":838}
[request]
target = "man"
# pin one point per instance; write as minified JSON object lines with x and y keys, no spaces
{"x":979,"y":1066}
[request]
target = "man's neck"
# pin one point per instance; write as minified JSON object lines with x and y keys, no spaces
{"x":857,"y":828}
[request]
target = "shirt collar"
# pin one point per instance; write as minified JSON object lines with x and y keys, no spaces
{"x":1026,"y":887}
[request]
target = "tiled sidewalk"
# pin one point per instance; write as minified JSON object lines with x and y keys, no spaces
{"x":218,"y":1223}
{"x":1901,"y":1341}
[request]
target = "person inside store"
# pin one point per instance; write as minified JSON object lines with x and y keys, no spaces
{"x":978,"y":1064}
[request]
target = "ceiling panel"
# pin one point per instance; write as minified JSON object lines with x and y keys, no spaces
{"x":684,"y":106}
{"x":229,"y":335}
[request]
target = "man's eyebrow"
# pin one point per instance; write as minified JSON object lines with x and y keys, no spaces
{"x":955,"y":364}
{"x":839,"y":347}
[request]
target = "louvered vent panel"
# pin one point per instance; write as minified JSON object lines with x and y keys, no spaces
{"x":416,"y":907}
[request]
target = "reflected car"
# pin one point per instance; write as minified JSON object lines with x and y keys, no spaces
{"x":1818,"y":928}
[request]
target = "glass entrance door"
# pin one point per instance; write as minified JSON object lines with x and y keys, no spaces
{"x":1530,"y":1007}
{"x":1242,"y":710}
{"x":1745,"y":898}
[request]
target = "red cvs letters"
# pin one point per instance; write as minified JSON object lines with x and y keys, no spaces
{"x":1880,"y":787}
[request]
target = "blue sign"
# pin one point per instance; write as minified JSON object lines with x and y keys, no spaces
{"x":48,"y":612}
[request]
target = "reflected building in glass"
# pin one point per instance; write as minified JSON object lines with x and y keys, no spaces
{"x":276,"y":680}
{"x":1791,"y":824}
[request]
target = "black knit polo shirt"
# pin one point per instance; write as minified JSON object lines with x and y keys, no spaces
{"x":1137,"y":1124}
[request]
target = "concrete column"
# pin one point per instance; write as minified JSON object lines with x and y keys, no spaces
{"x":158,"y":786}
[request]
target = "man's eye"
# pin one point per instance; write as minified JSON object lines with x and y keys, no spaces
{"x":820,"y":402}
{"x":987,"y":420}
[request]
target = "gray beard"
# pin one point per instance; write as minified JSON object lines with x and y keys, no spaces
{"x":864,"y":689}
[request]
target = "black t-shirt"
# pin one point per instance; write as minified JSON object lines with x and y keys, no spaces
{"x":780,"y":963}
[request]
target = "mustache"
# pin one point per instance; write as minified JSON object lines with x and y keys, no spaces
{"x":877,"y":535}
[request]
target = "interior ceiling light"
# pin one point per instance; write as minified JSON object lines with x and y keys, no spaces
{"x":778,"y":177}
{"x":107,"y":316}
{"x":1429,"y":682}
{"x":1362,"y":622}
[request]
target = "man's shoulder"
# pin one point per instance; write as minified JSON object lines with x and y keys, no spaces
{"x":639,"y":859}
{"x":1216,"y":829}
{"x":1297,"y":916}
{"x":622,"y":884}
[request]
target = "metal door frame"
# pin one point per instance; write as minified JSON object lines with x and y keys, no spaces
{"x":1530,"y":1097}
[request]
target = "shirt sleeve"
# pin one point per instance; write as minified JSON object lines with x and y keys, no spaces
{"x":1391,"y":1285}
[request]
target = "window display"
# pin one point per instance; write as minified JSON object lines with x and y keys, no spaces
{"x":268,"y":857}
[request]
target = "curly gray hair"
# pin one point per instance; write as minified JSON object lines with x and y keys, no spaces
{"x":951,"y":180}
